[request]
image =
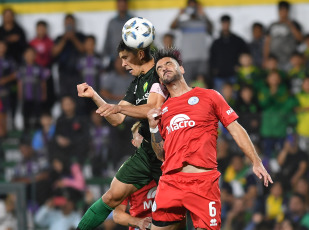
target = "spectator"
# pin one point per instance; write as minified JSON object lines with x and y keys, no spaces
{"x":7,"y":75}
{"x":115,"y":83}
{"x":274,"y":210}
{"x":33,"y":172}
{"x":257,"y":44}
{"x":49,"y":216}
{"x":14,"y":36}
{"x":71,"y":137}
{"x":248,"y":109}
{"x":239,"y":180}
{"x":293,"y":163}
{"x":228,"y":94}
{"x":114,"y":29}
{"x":168,"y":41}
{"x":196,"y":29}
{"x":271,"y":64}
{"x":100,"y":145}
{"x":247,"y":73}
{"x":239,"y":193}
{"x":67,"y":178}
{"x":302,"y":187}
{"x":7,"y":209}
{"x":270,"y":209}
{"x":42,"y":137}
{"x":297,"y":212}
{"x":276,"y":108}
{"x":287,"y":225}
{"x":90,"y":68}
{"x":31,"y":89}
{"x":43,"y":46}
{"x":283,"y":36}
{"x":224,"y":54}
{"x":306,"y":51}
{"x":302,"y":111}
{"x":66,"y":50}
{"x":297,"y":73}
{"x":90,"y":65}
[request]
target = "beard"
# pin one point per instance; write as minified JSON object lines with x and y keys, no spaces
{"x":171,"y":79}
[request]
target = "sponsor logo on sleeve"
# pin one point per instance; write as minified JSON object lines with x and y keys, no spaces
{"x":229,"y":111}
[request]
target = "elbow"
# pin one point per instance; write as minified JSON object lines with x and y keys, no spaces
{"x":115,"y":123}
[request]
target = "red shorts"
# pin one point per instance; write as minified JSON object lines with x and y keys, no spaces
{"x":198,"y":193}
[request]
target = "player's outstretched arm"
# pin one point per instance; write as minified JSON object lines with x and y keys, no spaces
{"x":156,"y":138}
{"x":242,"y":139}
{"x":85,"y":90}
{"x":121,"y":217}
{"x":155,"y":100}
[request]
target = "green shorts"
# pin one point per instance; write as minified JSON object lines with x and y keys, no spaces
{"x":141,"y":168}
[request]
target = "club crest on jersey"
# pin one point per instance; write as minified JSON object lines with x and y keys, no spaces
{"x":193,"y":100}
{"x":180,"y":121}
{"x":145,"y":86}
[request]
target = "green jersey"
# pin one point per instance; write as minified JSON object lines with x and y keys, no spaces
{"x":143,"y":166}
{"x":138,"y":93}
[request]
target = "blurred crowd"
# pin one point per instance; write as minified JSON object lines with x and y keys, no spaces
{"x":265,"y":80}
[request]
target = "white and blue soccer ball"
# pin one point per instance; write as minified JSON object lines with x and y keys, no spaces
{"x":138,"y":33}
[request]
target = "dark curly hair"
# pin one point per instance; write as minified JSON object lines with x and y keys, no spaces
{"x":172,"y":53}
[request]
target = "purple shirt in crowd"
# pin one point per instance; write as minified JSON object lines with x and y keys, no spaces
{"x":90,"y":68}
{"x":31,"y":77}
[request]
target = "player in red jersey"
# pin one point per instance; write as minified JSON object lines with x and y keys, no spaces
{"x":140,"y":201}
{"x":188,"y":123}
{"x":140,"y":204}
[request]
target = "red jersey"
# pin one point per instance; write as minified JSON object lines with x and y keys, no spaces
{"x":141,"y":201}
{"x":189,"y":126}
{"x":43,"y":49}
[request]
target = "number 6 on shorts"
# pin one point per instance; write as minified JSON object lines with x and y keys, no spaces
{"x":212,"y":209}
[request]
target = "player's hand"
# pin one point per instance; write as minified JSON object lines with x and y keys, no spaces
{"x":108,"y":109}
{"x":261,"y":173}
{"x":144,"y":223}
{"x":85,"y":90}
{"x":154,"y":116}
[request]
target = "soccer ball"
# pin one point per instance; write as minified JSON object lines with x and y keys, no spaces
{"x":138,"y":33}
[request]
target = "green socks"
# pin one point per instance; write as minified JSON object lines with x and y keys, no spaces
{"x":95,"y":215}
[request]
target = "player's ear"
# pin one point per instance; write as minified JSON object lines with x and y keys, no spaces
{"x":182,"y":70}
{"x":141,"y":54}
{"x":133,"y":142}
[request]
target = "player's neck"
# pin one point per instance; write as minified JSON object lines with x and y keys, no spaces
{"x":147,"y":66}
{"x":178,"y":88}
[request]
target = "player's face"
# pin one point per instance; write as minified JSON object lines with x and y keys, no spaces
{"x":131,"y":62}
{"x":137,"y":139}
{"x":168,"y":70}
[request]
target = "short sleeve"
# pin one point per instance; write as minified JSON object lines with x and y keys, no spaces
{"x":159,"y":89}
{"x":130,"y":94}
{"x":222,"y":109}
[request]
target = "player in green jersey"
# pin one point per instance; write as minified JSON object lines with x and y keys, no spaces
{"x":144,"y":93}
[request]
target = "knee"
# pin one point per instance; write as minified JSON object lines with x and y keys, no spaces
{"x":112,"y":198}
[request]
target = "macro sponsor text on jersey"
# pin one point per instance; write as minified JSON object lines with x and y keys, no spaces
{"x":180,"y":121}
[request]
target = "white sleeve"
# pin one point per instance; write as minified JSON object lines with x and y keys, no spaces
{"x":160,"y":89}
